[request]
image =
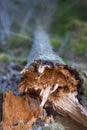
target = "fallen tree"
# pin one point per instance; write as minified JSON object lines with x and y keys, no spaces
{"x":48,"y":82}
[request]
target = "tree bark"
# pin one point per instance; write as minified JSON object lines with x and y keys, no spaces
{"x":41,"y":48}
{"x":49,"y":82}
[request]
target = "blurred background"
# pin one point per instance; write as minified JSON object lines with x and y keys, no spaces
{"x":65,"y":21}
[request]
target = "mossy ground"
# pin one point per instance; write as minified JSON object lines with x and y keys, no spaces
{"x":77,"y":46}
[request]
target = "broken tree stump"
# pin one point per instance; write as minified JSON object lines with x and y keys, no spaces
{"x":47,"y":79}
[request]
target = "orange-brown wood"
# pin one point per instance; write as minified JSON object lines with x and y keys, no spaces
{"x":19,"y":113}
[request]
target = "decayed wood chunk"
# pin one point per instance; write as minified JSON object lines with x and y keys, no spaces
{"x":19,"y":113}
{"x":60,"y":75}
{"x":59,"y":85}
{"x":52,"y":81}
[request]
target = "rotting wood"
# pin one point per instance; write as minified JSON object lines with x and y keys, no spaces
{"x":19,"y":113}
{"x":47,"y":79}
{"x":65,"y":97}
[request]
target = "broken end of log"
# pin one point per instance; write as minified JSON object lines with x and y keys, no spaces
{"x":41,"y":74}
{"x":58,"y":84}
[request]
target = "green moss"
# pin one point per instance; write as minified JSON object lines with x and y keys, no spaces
{"x":81,"y":48}
{"x":18,"y":47}
{"x":16,"y":42}
{"x":78,"y":23}
{"x":0,"y":91}
{"x":7,"y":58}
{"x":83,"y":32}
{"x":56,"y":43}
{"x":64,"y":14}
{"x":78,"y":41}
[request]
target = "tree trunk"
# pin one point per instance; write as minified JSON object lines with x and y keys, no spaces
{"x":48,"y":82}
{"x":41,"y":48}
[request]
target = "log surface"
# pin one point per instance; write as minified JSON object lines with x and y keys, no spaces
{"x":41,"y":48}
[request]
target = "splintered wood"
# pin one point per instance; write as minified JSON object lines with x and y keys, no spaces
{"x":19,"y":113}
{"x":59,"y":87}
